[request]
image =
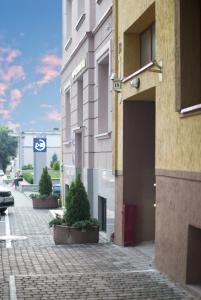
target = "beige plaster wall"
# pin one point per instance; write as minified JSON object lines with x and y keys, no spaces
{"x":178,"y":140}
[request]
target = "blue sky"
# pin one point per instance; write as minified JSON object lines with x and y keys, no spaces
{"x":30,"y":61}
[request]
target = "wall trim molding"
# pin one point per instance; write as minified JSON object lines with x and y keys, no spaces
{"x":184,"y":175}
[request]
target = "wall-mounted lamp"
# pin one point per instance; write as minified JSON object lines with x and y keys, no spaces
{"x":135,"y":82}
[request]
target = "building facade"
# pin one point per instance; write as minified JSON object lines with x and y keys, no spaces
{"x":25,"y":153}
{"x":86,"y":104}
{"x":156,"y":131}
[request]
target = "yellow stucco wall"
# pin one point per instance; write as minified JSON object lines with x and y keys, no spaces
{"x":178,"y":140}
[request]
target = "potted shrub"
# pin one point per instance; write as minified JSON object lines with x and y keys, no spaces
{"x":45,"y":198}
{"x":76,"y":226}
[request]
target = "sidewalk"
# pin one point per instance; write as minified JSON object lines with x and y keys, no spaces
{"x":37,"y":269}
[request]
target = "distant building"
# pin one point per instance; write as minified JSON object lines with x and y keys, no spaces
{"x":25,"y":146}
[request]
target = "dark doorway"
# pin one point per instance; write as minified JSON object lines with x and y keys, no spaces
{"x":139,"y":166}
{"x":193,"y":256}
{"x":102,"y":211}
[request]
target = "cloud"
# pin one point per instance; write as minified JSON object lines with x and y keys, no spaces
{"x":54,"y":116}
{"x":5,"y":113}
{"x":16,"y":96}
{"x":10,"y":54}
{"x":12,"y":125}
{"x":51,"y":60}
{"x":49,"y":69}
{"x":13,"y":72}
{"x":48,"y":73}
{"x":3,"y":88}
{"x":2,"y":102}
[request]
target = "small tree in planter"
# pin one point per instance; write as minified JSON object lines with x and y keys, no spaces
{"x":76,"y":225}
{"x":45,"y":198}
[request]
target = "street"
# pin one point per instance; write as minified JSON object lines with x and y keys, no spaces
{"x":32,"y":267}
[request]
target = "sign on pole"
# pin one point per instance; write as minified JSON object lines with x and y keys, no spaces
{"x":40,"y":152}
{"x":39,"y":145}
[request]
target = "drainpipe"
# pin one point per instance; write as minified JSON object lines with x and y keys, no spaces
{"x":114,"y":94}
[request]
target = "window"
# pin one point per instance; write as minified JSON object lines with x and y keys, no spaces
{"x":139,"y":42}
{"x":68,"y":19}
{"x":147,"y":45}
{"x":80,"y":102}
{"x":68,"y":115}
{"x":103,"y":95}
{"x":188,"y":53}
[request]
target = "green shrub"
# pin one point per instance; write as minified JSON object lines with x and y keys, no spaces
{"x":54,"y":159}
{"x":56,"y":165}
{"x":45,"y":183}
{"x":27,"y":167}
{"x":56,"y":221}
{"x":77,"y":203}
{"x":28,"y":177}
{"x":86,"y":224}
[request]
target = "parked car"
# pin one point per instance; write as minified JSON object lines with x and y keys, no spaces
{"x":6,"y":199}
{"x":56,"y":189}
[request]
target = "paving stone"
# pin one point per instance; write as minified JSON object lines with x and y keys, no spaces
{"x":115,"y":285}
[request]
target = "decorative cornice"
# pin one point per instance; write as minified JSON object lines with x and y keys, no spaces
{"x":87,"y":35}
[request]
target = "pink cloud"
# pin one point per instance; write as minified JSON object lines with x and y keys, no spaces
{"x":13,"y":72}
{"x":10,"y":54}
{"x":48,"y":72}
{"x":51,"y":60}
{"x":54,"y":116}
{"x":49,"y":69}
{"x":12,"y":125}
{"x":16,"y":96}
{"x":3,"y":88}
{"x":2,"y":101}
{"x":5,"y":113}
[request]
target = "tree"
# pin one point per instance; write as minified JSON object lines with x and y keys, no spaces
{"x":8,"y":147}
{"x":54,"y":159}
{"x":45,"y":183}
{"x":78,"y":208}
{"x":56,"y":165}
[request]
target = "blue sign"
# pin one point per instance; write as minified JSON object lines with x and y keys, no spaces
{"x":39,"y":145}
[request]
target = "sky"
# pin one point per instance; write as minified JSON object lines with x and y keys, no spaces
{"x":30,"y":63}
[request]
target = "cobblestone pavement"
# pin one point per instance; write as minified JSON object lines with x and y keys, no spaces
{"x":42,"y":270}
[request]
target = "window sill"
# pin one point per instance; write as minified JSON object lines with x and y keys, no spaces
{"x":80,"y":22}
{"x":102,"y":136}
{"x":139,"y":71}
{"x":190,"y":111}
{"x":78,"y":129}
{"x":68,"y":43}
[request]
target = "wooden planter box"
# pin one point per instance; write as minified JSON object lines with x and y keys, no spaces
{"x":49,"y":202}
{"x":71,"y":235}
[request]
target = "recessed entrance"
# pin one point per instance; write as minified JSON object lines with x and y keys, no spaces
{"x":193,"y":275}
{"x":139,"y":167}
